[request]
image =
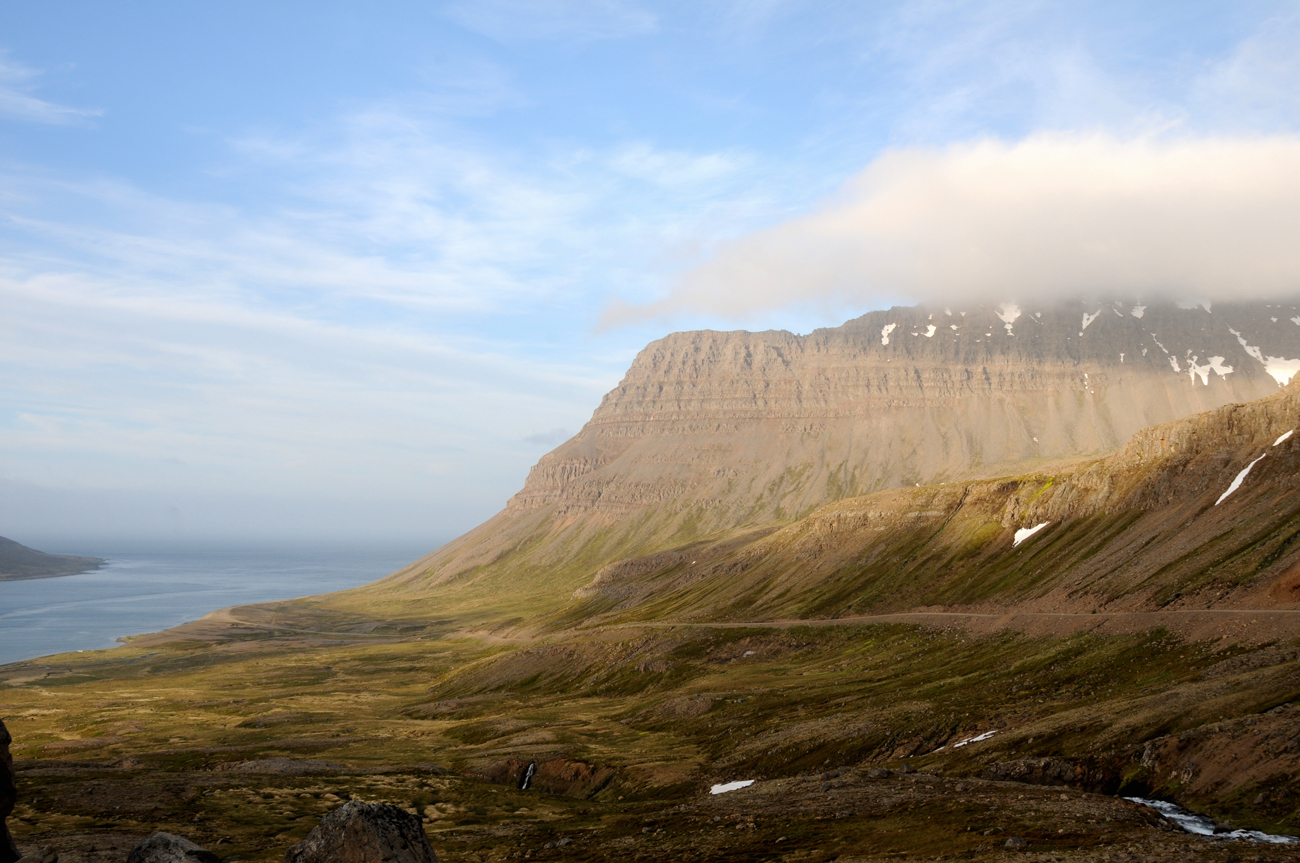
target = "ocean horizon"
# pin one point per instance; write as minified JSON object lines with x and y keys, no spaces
{"x":142,"y":591}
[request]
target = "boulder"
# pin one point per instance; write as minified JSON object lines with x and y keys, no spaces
{"x":8,"y":797}
{"x":359,"y":832}
{"x":45,"y":855}
{"x":170,"y":848}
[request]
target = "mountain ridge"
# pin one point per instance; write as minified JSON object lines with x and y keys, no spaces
{"x":711,"y":433}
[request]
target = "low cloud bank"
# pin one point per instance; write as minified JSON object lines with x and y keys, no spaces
{"x":1050,"y":216}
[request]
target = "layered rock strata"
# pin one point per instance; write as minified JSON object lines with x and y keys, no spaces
{"x":716,"y":431}
{"x":1194,"y":514}
{"x":752,"y":427}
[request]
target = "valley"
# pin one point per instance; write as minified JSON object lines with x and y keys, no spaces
{"x":933,"y":591}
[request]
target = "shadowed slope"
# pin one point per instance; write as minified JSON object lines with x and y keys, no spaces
{"x":1136,"y":531}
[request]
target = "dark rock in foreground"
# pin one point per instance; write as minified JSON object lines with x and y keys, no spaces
{"x":8,"y":797}
{"x":359,"y":832}
{"x":170,"y":848}
{"x":45,"y":855}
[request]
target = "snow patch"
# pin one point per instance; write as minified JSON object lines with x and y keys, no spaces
{"x":1283,"y":437}
{"x":929,"y":331}
{"x":1236,"y":483}
{"x":1215,"y":365}
{"x":1025,"y":532}
{"x":1296,"y":320}
{"x":1121,"y":356}
{"x":952,"y":327}
{"x":1173,"y":361}
{"x":885,"y":331}
{"x":976,"y":739}
{"x":731,"y":786}
{"x":1008,"y":312}
{"x":1280,"y":368}
{"x":1087,"y":319}
{"x":1138,"y":311}
{"x":1250,"y":349}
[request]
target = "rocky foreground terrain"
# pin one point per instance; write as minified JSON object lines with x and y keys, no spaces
{"x":934,"y":584}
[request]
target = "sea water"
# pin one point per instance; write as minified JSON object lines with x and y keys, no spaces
{"x":147,"y":591}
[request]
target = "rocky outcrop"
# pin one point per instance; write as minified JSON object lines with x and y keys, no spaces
{"x":169,"y":848}
{"x":359,"y":832}
{"x":8,"y":797}
{"x":1085,"y":774}
{"x":755,"y":427}
{"x":1244,"y":757}
{"x":553,"y":776}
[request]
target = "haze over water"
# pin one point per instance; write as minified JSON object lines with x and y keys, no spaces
{"x":147,"y":591}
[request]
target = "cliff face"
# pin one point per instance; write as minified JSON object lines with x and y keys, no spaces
{"x":1198,"y":513}
{"x":712,"y":432}
{"x":747,"y":428}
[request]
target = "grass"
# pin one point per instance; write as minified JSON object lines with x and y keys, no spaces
{"x":670,"y":709}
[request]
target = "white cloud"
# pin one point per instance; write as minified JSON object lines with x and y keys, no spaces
{"x":398,"y":314}
{"x":1054,"y":214}
{"x":17,"y":82}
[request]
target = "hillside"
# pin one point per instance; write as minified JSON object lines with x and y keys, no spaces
{"x":997,"y":644}
{"x":711,"y":433}
{"x":19,"y":562}
{"x":1141,"y":530}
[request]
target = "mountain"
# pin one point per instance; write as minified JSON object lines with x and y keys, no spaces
{"x":894,"y":581}
{"x":1195,"y":514}
{"x":714,"y":432}
{"x":19,"y":562}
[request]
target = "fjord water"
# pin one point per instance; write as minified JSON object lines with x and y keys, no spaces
{"x":146,"y":591}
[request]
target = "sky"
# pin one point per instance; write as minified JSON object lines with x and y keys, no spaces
{"x":299,"y":272}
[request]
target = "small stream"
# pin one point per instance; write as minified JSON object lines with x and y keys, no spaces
{"x":1203,"y":826}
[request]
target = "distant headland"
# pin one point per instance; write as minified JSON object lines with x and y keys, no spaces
{"x":18,"y":562}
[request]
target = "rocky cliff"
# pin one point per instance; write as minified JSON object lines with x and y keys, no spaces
{"x":1193,"y":514}
{"x":755,"y":427}
{"x":721,"y":431}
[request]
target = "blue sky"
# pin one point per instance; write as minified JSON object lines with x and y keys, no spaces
{"x":303,"y":270}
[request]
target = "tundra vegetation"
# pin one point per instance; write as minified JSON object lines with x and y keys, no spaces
{"x":899,"y":675}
